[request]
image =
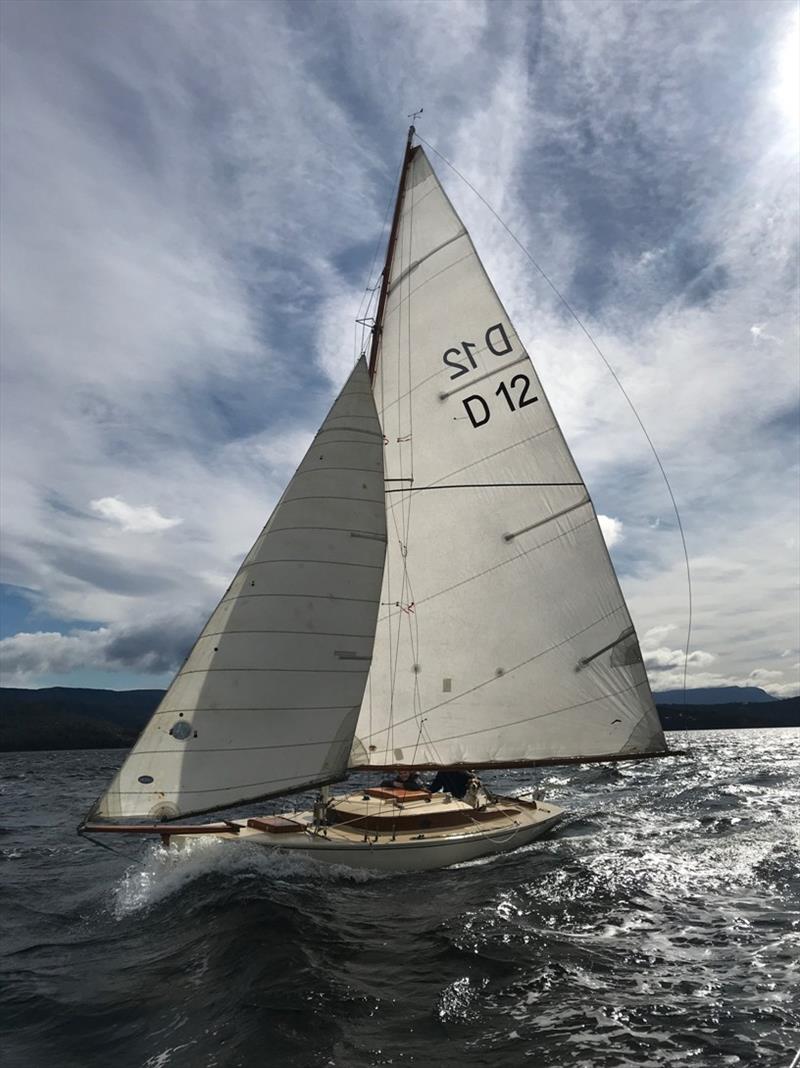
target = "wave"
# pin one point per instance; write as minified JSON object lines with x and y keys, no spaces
{"x":163,"y":873}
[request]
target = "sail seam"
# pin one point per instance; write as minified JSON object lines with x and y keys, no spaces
{"x":418,"y":263}
{"x":424,"y":196}
{"x":300,"y":787}
{"x":345,"y":411}
{"x":327,"y":468}
{"x":541,"y":715}
{"x":337,"y":530}
{"x":259,"y":708}
{"x":503,"y":563}
{"x":189,"y":751}
{"x":494,"y":485}
{"x":396,"y":308}
{"x":222,"y":789}
{"x":524,"y":663}
{"x":498,"y":452}
{"x":411,"y":389}
{"x":303,"y":560}
{"x":524,"y":358}
{"x":307,"y":596}
{"x":340,"y":441}
{"x":353,"y":429}
{"x":526,"y":719}
{"x":333,"y":497}
{"x":289,"y":671}
{"x":304,"y":633}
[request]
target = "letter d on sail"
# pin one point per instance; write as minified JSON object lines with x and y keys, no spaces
{"x":501,"y":337}
{"x":473,"y":418}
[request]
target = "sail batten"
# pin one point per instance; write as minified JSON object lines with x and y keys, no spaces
{"x":266,"y":703}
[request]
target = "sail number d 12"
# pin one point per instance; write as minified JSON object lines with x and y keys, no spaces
{"x":516,"y":395}
{"x":462,"y":363}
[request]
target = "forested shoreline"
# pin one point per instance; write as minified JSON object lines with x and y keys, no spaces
{"x":64,"y":718}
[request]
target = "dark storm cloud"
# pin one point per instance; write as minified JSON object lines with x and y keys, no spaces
{"x":108,"y":572}
{"x":158,"y":646}
{"x":152,"y":648}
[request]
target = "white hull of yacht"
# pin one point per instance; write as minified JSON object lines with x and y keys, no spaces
{"x":399,"y":855}
{"x":502,"y":825}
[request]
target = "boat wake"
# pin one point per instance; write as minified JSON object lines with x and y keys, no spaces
{"x":657,"y":925}
{"x":163,"y":873}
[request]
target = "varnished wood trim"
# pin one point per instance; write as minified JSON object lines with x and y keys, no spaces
{"x":423,"y":821}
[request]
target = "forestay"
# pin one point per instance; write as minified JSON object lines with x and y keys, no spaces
{"x":268,"y":698}
{"x":503,"y":636}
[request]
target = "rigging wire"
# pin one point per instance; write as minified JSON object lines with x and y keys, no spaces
{"x":359,"y":344}
{"x":370,"y":291}
{"x":105,"y":845}
{"x":614,"y":375}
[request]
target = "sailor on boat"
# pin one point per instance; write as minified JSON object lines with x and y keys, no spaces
{"x":405,"y":779}
{"x":451,"y":781}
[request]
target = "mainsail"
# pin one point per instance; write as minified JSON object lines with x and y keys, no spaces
{"x":503,"y":636}
{"x":267,"y":700}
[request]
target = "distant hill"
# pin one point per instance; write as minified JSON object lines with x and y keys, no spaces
{"x":714,"y":695}
{"x":680,"y":717}
{"x":66,"y":718}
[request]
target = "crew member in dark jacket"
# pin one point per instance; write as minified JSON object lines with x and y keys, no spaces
{"x":405,"y":779}
{"x":451,"y":782}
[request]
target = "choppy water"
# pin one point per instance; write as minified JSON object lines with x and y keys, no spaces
{"x":659,"y":926}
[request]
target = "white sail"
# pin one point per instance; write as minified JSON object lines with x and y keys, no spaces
{"x":503,"y":636}
{"x":268,"y":698}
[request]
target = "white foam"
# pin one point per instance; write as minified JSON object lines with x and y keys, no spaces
{"x":160,"y":872}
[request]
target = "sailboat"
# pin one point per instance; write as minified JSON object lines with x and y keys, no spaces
{"x":432,"y":593}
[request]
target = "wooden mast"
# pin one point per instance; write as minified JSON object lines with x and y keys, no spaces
{"x":377,"y":329}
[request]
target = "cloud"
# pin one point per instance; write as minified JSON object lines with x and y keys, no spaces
{"x":612,"y":530}
{"x":150,"y":648}
{"x":180,"y":290}
{"x":786,"y":90}
{"x":665,"y":666}
{"x":759,"y":334}
{"x":664,"y":659}
{"x":659,"y":658}
{"x":656,"y":634}
{"x":142,"y":520}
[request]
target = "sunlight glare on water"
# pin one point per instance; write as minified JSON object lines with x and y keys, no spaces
{"x":659,"y":925}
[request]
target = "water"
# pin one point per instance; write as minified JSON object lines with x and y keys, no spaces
{"x":659,"y":926}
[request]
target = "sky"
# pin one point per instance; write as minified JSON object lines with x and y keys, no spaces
{"x":193,"y":194}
